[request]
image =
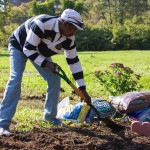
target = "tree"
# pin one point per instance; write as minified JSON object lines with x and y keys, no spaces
{"x":79,"y":7}
{"x":97,"y":10}
{"x":122,"y":7}
{"x":116,"y":11}
{"x":4,"y":9}
{"x":1,"y":4}
{"x":127,"y":9}
{"x":19,"y":14}
{"x":68,"y":4}
{"x":46,"y":7}
{"x":76,"y":5}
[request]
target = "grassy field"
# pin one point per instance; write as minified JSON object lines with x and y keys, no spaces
{"x":34,"y":85}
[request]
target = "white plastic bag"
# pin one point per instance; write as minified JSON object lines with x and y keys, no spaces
{"x":75,"y":113}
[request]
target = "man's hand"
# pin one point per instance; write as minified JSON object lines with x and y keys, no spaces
{"x":52,"y":67}
{"x":88,"y":98}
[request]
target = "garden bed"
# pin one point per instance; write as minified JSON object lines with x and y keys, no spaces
{"x":85,"y":136}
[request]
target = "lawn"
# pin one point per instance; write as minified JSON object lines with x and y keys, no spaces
{"x":33,"y":84}
{"x":34,"y":87}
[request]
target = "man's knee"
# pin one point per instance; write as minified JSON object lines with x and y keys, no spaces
{"x":55,"y":81}
{"x":15,"y":78}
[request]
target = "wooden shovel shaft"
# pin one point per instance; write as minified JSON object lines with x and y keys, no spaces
{"x":77,"y":91}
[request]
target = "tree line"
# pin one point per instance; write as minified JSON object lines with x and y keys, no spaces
{"x":98,"y":16}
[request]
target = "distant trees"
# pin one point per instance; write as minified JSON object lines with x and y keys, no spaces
{"x":19,"y":14}
{"x":27,"y":10}
{"x":116,"y":11}
{"x":76,"y":5}
{"x":68,"y":4}
{"x":3,"y":13}
{"x":127,"y":9}
{"x":96,"y":12}
{"x":118,"y":24}
{"x":46,"y":7}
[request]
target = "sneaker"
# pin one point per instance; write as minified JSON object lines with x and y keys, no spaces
{"x":56,"y":122}
{"x":141,"y":129}
{"x":4,"y":130}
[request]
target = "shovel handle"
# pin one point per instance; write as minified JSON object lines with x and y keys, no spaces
{"x":77,"y":91}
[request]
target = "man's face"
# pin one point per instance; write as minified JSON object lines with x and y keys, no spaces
{"x":68,"y":29}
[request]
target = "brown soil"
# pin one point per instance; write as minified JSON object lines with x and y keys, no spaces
{"x":83,"y":137}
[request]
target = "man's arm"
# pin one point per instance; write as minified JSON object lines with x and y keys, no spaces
{"x":77,"y":72}
{"x":75,"y":67}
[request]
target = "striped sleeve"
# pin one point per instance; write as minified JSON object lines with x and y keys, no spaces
{"x":34,"y":35}
{"x":75,"y":67}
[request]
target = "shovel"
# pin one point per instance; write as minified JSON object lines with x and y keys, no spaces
{"x":107,"y":121}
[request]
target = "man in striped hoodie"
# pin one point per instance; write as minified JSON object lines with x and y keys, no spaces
{"x":38,"y":39}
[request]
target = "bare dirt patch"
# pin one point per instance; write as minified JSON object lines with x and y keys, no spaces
{"x":85,"y":137}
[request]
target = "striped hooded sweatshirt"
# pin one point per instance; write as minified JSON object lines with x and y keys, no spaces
{"x":39,"y":37}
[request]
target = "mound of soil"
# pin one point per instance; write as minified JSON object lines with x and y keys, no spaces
{"x":83,"y":137}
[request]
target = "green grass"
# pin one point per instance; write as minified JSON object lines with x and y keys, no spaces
{"x":33,"y":84}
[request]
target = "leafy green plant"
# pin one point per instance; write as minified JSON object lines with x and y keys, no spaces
{"x":119,"y":79}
